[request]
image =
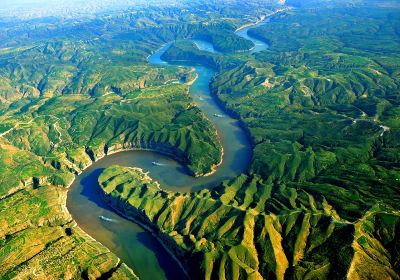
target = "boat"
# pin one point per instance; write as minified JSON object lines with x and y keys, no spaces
{"x":218,"y":115}
{"x":106,"y":219}
{"x":156,"y":163}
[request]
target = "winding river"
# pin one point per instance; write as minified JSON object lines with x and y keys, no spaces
{"x":135,"y":246}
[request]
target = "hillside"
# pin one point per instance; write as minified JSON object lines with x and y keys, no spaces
{"x":72,"y":91}
{"x":320,"y":198}
{"x":249,"y":228}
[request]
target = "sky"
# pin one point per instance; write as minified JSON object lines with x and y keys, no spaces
{"x":28,"y":9}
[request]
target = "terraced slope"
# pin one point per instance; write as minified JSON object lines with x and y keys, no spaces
{"x":62,"y":68}
{"x":248,"y":228}
{"x":321,"y":115}
{"x":45,"y":141}
{"x":61,"y":135}
{"x":74,"y":90}
{"x":40,"y":240}
{"x":321,"y":197}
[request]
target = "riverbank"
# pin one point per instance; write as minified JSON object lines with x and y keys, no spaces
{"x":262,"y":18}
{"x":150,"y":228}
{"x":227,"y":124}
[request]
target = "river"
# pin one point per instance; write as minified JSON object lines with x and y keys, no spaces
{"x":130,"y":242}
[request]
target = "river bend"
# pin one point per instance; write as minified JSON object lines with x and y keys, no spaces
{"x":131,"y":243}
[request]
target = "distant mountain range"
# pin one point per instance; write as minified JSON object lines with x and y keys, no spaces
{"x":346,"y":3}
{"x":30,"y":9}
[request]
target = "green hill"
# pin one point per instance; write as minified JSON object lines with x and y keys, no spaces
{"x":249,"y":228}
{"x":320,"y":199}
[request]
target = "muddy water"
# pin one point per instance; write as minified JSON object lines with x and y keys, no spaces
{"x":135,"y":246}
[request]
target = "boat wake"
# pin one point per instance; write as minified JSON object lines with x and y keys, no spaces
{"x":157,"y":163}
{"x":218,"y":115}
{"x":101,"y":217}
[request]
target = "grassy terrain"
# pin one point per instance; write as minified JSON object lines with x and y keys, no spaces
{"x":249,"y":228}
{"x":321,"y":197}
{"x":40,"y":240}
{"x":319,"y":107}
{"x":47,"y":140}
{"x":225,"y":41}
{"x":73,"y":90}
{"x":62,"y":134}
{"x":186,"y":51}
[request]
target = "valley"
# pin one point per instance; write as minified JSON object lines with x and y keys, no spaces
{"x":203,"y":141}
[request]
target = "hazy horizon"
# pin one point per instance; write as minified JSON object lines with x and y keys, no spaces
{"x":30,"y":9}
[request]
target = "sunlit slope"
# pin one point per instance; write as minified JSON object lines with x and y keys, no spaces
{"x":321,"y":197}
{"x":55,"y":69}
{"x":73,"y":90}
{"x":185,"y":51}
{"x":60,"y":135}
{"x":249,"y":228}
{"x":44,"y":142}
{"x":39,"y":239}
{"x":322,"y":112}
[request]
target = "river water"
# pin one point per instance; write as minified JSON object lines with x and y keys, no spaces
{"x":131,"y":243}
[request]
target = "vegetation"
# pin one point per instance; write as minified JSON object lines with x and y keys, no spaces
{"x":72,"y":90}
{"x":65,"y":133}
{"x":321,"y":107}
{"x":249,"y":228}
{"x":186,"y":51}
{"x":39,"y":239}
{"x":225,"y":41}
{"x":338,"y":96}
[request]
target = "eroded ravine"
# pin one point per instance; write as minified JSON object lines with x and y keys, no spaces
{"x":130,"y":242}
